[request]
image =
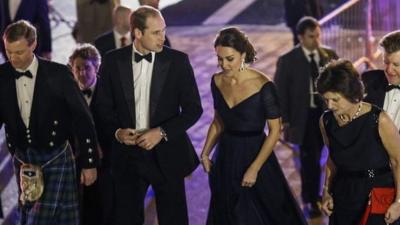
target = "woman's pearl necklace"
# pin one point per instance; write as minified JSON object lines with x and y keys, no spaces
{"x":353,"y":117}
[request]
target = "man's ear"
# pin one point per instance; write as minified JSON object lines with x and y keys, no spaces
{"x":137,"y":33}
{"x":33,"y":45}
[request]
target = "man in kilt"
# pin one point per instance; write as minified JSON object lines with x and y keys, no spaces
{"x":42,"y":108}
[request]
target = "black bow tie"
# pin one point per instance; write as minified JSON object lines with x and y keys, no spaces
{"x":391,"y":87}
{"x":139,"y":57}
{"x":20,"y":74}
{"x":87,"y":92}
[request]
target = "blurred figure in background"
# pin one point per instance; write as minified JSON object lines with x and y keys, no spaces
{"x":34,"y":11}
{"x":296,"y":9}
{"x":302,"y":107}
{"x":120,"y":35}
{"x":94,"y":17}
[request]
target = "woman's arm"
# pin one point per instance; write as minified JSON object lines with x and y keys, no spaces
{"x":214,"y":131}
{"x":330,"y":171}
{"x":274,"y":127}
{"x":391,"y":140}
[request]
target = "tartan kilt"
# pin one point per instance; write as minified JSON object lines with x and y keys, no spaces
{"x":58,"y":204}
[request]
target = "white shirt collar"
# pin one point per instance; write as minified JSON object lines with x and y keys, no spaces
{"x":33,"y":67}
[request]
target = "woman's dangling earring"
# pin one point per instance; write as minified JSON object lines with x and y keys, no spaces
{"x":242,"y":66}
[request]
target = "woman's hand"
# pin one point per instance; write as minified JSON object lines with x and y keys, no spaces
{"x":250,"y":177}
{"x":393,"y":213}
{"x":206,"y":162}
{"x":327,"y":204}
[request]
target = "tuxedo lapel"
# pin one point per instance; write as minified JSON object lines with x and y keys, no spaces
{"x":13,"y":100}
{"x":124,"y":64}
{"x":160,"y":72}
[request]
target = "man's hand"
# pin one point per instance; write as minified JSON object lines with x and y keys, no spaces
{"x":149,"y":139}
{"x":127,"y":136}
{"x":88,"y":176}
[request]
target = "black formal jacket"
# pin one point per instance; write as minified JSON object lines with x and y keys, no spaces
{"x":58,"y":112}
{"x":174,"y":105}
{"x":34,"y":11}
{"x":375,"y":83}
{"x":292,"y":78}
{"x":105,"y":43}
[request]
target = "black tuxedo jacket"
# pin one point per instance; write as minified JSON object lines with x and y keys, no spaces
{"x":34,"y":11}
{"x":174,"y":105}
{"x":58,"y":112}
{"x":292,"y":78}
{"x":375,"y":84}
{"x":105,"y":43}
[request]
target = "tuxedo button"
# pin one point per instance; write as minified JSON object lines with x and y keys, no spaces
{"x":55,"y":122}
{"x":9,"y":145}
{"x":28,"y":131}
{"x":53,"y":133}
{"x":90,"y":150}
{"x":90,"y":160}
{"x":51,"y":144}
{"x":87,"y":140}
{"x":29,"y":141}
{"x":28,"y":136}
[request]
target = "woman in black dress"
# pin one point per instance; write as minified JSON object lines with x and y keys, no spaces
{"x":247,"y":184}
{"x":364,"y":149}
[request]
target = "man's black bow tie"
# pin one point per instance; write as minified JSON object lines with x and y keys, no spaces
{"x":20,"y":74}
{"x":139,"y":57}
{"x":391,"y":87}
{"x":87,"y":92}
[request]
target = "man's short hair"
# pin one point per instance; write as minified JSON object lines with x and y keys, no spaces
{"x":20,"y":29}
{"x":140,"y":15}
{"x":306,"y":23}
{"x":390,"y":43}
{"x":86,"y":52}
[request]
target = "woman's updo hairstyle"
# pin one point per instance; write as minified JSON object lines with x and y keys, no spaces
{"x":236,"y":39}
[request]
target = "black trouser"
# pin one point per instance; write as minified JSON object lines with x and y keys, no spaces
{"x":310,"y":156}
{"x":130,"y":193}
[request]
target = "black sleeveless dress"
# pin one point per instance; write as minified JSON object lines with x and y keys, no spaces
{"x":269,"y":201}
{"x":355,"y":148}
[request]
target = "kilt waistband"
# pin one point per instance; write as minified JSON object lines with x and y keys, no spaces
{"x":60,"y":150}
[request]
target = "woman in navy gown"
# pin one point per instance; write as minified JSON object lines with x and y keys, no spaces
{"x":246,"y":181}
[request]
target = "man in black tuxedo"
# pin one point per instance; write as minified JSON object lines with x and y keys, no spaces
{"x":34,"y":11}
{"x":382,"y":87}
{"x":96,"y":199}
{"x":301,"y":106}
{"x":120,"y":36}
{"x":146,"y":99}
{"x":42,"y":108}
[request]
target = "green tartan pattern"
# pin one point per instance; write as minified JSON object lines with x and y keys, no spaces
{"x":58,"y":204}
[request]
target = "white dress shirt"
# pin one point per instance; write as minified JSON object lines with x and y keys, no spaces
{"x":25,"y":89}
{"x":13,"y":6}
{"x":392,"y":105}
{"x":316,"y":59}
{"x":142,"y":74}
{"x":118,"y":36}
